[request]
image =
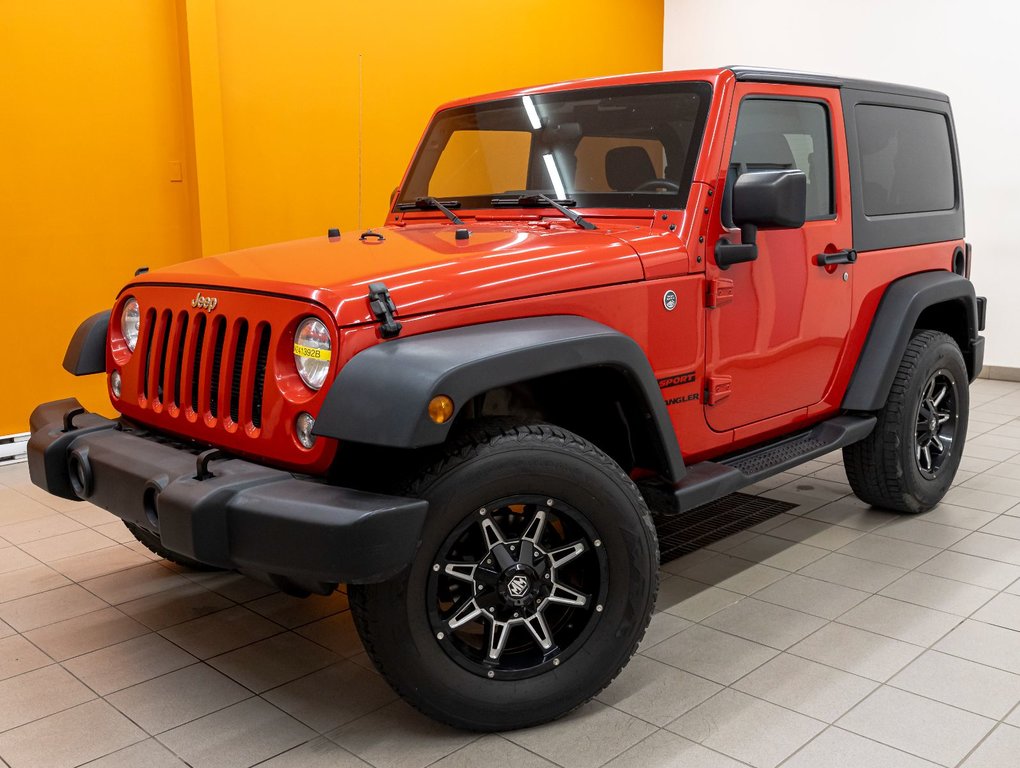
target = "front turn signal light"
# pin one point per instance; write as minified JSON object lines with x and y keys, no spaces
{"x":440,"y":409}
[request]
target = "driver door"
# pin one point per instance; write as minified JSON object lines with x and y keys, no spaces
{"x":773,"y":348}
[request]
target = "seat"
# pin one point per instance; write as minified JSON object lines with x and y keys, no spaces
{"x":627,"y":168}
{"x":762,"y":151}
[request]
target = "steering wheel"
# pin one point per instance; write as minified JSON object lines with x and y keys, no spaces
{"x":651,"y":184}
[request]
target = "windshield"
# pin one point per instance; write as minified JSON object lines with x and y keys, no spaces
{"x":614,"y":147}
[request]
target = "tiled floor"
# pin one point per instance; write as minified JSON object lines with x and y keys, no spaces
{"x":836,"y":635}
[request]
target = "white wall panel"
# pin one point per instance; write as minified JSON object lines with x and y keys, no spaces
{"x":969,"y":50}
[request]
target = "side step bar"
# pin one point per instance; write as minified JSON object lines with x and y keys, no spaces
{"x":711,"y":480}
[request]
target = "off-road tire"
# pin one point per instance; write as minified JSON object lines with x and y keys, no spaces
{"x":496,"y":461}
{"x":883,"y":469}
{"x":154,"y":545}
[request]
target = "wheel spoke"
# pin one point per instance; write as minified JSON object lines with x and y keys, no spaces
{"x":498,"y":633}
{"x":942,"y":418}
{"x":491,"y":533}
{"x":564,"y":555}
{"x":926,"y":451}
{"x":462,"y":571}
{"x":936,"y":442}
{"x":536,"y":527}
{"x":467,"y":611}
{"x":536,"y":624}
{"x":567,"y":596}
{"x":937,"y":399}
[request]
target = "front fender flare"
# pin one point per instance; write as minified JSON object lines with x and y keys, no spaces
{"x":381,"y":396}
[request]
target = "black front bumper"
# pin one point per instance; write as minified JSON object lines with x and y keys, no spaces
{"x":261,"y":521}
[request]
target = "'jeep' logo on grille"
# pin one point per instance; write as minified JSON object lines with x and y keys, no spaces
{"x":208,"y":303}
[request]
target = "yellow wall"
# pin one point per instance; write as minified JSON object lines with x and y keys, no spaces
{"x":289,"y":118}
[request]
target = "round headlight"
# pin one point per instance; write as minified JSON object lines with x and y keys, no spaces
{"x":312,"y":352}
{"x":130,"y":319}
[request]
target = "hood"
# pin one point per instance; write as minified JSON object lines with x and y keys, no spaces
{"x":425,"y":267}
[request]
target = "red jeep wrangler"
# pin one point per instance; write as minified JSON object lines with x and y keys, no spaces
{"x":583,"y":295}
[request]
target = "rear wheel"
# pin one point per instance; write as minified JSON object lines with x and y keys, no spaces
{"x":533,"y":585}
{"x":907,"y":464}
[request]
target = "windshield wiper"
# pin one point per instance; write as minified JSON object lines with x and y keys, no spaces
{"x":430,"y":203}
{"x":539,"y":199}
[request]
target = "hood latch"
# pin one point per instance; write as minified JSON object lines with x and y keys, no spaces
{"x":382,"y":306}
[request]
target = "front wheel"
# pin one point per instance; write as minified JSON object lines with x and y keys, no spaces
{"x":907,"y":464}
{"x":533,"y":585}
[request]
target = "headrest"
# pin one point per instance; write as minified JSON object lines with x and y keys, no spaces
{"x":628,"y":167}
{"x":757,"y":149}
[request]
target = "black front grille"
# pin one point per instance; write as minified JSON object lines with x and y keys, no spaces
{"x":202,"y":365}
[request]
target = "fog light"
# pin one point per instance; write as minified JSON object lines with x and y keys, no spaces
{"x":440,"y":409}
{"x":303,"y":427}
{"x":115,"y":383}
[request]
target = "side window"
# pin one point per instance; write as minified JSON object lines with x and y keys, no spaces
{"x":906,"y":160}
{"x":774,"y":134}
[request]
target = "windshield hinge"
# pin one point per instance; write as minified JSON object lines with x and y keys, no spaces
{"x":719,"y":292}
{"x":382,"y":306}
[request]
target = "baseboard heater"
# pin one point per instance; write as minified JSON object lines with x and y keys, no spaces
{"x":13,"y":447}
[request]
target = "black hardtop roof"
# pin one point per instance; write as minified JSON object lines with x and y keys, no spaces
{"x":765,"y":75}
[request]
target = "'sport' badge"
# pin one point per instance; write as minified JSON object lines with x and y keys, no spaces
{"x":669,"y":300}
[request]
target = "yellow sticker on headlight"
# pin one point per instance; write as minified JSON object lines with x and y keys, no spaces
{"x":316,"y":354}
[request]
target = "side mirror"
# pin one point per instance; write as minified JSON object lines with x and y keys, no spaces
{"x":763,"y":199}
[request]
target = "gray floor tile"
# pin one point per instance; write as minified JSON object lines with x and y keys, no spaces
{"x":1004,"y":525}
{"x":493,"y":751}
{"x":66,"y":545}
{"x":986,"y":644}
{"x":1003,"y":610}
{"x":765,"y":623}
{"x":39,"y":693}
{"x":852,"y":516}
{"x":729,"y":722}
{"x":973,"y":570}
{"x":816,"y":533}
{"x":924,"y":532}
{"x":734,"y":574}
{"x":128,"y":663}
{"x":920,"y":726}
{"x":221,"y":632}
{"x":236,"y":737}
{"x":993,"y":547}
{"x":49,"y":607}
{"x":295,"y":611}
{"x":398,"y":736}
{"x":230,"y":585}
{"x":31,"y":580}
{"x":133,"y":583}
{"x":84,"y":634}
{"x":273,"y":662}
{"x":661,"y":627}
{"x":882,"y":549}
{"x":39,"y":527}
{"x":975,"y":499}
{"x":71,"y":737}
{"x":97,"y":563}
{"x":693,"y":600}
{"x":807,"y":687}
{"x":836,"y":748}
{"x":711,"y":654}
{"x":778,"y":553}
{"x":667,"y":750}
{"x":148,"y":754}
{"x":176,"y":605}
{"x":961,"y":683}
{"x":323,"y":753}
{"x":939,"y":593}
{"x":586,"y":738}
{"x":857,"y":651}
{"x":999,"y":750}
{"x":18,"y":656}
{"x":337,"y":633}
{"x":852,"y":572}
{"x":958,"y":517}
{"x":333,"y":696}
{"x":177,"y":698}
{"x":901,"y":621}
{"x":656,"y":692}
{"x":13,"y":559}
{"x":819,"y":598}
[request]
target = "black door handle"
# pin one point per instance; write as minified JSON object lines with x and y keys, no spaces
{"x":849,"y":256}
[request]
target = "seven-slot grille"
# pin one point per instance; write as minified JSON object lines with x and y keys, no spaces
{"x":212,"y":366}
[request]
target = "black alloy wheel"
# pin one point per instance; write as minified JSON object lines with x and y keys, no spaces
{"x":937,"y":417}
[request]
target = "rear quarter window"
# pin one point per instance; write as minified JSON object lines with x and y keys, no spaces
{"x":906,"y":160}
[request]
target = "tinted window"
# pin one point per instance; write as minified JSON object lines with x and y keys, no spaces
{"x":614,"y":147}
{"x":774,"y":134}
{"x":906,"y":160}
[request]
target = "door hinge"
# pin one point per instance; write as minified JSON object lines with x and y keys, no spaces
{"x":717,"y":389}
{"x":719,"y":292}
